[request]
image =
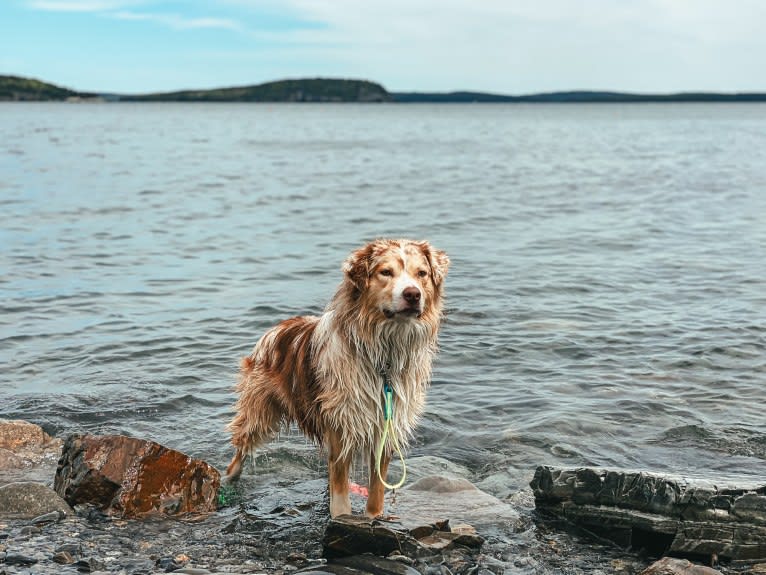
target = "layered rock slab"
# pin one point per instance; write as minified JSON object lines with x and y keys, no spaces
{"x":661,"y":514}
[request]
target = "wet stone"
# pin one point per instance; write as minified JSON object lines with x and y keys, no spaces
{"x":658,"y":514}
{"x":133,"y":477}
{"x":354,"y":535}
{"x":51,"y":517}
{"x":63,"y":558}
{"x":27,"y":499}
{"x":376,"y":565}
{"x":18,"y":559}
{"x":27,"y":453}
{"x":350,"y":535}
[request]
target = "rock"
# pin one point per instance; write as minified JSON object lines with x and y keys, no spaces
{"x":18,"y":559}
{"x":90,"y":565}
{"x":51,"y":517}
{"x":27,"y":453}
{"x":17,"y":435}
{"x":671,"y":566}
{"x":360,"y":565}
{"x":9,"y":460}
{"x":355,"y":535}
{"x":433,"y":498}
{"x":63,"y":558}
{"x":376,"y":565}
{"x":132,"y":477}
{"x":659,"y":514}
{"x":25,"y":500}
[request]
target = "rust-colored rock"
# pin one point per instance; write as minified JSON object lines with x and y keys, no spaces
{"x":134,"y":477}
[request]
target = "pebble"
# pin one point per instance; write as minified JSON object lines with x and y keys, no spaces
{"x":18,"y":559}
{"x":63,"y":558}
{"x":51,"y":517}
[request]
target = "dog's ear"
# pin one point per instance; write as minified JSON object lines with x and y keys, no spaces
{"x":438,"y":259}
{"x":357,"y":267}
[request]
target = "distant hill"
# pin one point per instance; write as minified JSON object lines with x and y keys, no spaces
{"x":15,"y":88}
{"x":450,"y":97}
{"x":574,"y":97}
{"x":305,"y":90}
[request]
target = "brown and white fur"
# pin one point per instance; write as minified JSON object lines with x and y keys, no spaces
{"x":324,"y":373}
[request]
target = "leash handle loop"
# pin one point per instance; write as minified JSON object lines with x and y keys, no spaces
{"x":388,"y":414}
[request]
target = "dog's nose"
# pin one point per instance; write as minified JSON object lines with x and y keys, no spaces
{"x":411,"y":295}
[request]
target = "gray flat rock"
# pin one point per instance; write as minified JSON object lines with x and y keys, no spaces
{"x":657,"y":513}
{"x":27,"y":500}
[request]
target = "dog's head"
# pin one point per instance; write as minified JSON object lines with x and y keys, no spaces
{"x":400,"y":279}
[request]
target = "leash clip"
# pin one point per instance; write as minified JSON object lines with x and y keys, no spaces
{"x":388,"y":406}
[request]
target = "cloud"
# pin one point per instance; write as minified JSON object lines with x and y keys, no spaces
{"x":80,"y":5}
{"x":177,"y":21}
{"x":116,"y":9}
{"x":517,"y":45}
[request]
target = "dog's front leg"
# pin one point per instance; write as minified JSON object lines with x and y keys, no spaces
{"x":376,"y":491}
{"x":339,"y":466}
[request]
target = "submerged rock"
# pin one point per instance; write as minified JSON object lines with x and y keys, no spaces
{"x":435,"y":498}
{"x":133,"y":477}
{"x":662,"y":515}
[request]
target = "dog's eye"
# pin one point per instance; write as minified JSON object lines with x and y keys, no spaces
{"x":422,"y":273}
{"x":386,"y":272}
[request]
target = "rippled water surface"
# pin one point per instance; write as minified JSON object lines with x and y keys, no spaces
{"x":606,"y":301}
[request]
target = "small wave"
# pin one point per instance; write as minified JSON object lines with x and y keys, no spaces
{"x":731,"y":441}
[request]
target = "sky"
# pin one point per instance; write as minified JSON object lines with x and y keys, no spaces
{"x":499,"y":46}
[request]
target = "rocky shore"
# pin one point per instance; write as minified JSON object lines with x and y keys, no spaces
{"x":445,"y":525}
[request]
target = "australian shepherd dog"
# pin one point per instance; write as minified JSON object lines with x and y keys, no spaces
{"x":327,"y":373}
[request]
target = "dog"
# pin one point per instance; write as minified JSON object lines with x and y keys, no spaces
{"x":326,"y":373}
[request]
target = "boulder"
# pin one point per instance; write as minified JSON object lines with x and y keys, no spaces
{"x":26,"y":452}
{"x":660,"y":514}
{"x":26,"y":500}
{"x":17,"y":435}
{"x":133,"y":477}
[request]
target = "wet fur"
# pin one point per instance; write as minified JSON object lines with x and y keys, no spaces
{"x":324,"y":372}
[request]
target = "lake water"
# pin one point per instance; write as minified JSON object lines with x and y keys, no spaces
{"x":606,"y":300}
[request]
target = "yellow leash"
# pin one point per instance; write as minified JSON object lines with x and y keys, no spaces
{"x":388,"y":414}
